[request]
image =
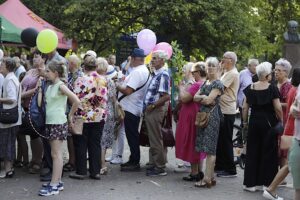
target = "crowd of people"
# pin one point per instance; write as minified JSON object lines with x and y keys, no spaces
{"x":94,"y":91}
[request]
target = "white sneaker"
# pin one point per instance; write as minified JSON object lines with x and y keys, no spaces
{"x":117,"y":160}
{"x":268,"y":195}
{"x":261,"y":188}
{"x":108,"y":159}
{"x":249,"y":189}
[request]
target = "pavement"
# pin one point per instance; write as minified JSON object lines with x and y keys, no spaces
{"x":117,"y":185}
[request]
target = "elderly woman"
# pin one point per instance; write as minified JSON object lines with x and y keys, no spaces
{"x":74,"y":71}
{"x":207,"y":138}
{"x":10,"y":98}
{"x":29,"y":87}
{"x":262,"y":144}
{"x":108,"y":131}
{"x":282,"y":71}
{"x":92,"y":91}
{"x":186,"y":129}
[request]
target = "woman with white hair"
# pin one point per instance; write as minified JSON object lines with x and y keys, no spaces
{"x":262,"y":144}
{"x":207,"y":137}
{"x":108,"y":131}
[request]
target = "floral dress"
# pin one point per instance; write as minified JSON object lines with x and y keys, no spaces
{"x":91,"y":89}
{"x":108,"y":130}
{"x":207,"y":138}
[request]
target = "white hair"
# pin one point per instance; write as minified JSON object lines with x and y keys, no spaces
{"x":74,"y":58}
{"x":285,"y":64}
{"x":187,"y":67}
{"x":102,"y":64}
{"x":253,"y":61}
{"x":212,"y":61}
{"x":263,"y":69}
{"x":161,"y":54}
{"x":231,"y":55}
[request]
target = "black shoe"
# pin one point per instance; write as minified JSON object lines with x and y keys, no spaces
{"x":47,"y":177}
{"x":10,"y":173}
{"x":156,"y":172}
{"x":196,"y":177}
{"x":131,"y":168}
{"x":95,"y":177}
{"x":77,"y":176}
{"x":128,"y":163}
{"x":226,"y":174}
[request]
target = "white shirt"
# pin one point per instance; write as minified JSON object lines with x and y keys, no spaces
{"x":133,"y":103}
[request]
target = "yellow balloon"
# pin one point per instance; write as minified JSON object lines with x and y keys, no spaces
{"x":148,"y":58}
{"x":47,"y":41}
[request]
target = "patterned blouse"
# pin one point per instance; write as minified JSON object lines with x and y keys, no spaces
{"x":91,"y":89}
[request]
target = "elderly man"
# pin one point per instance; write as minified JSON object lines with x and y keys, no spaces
{"x":246,"y":76}
{"x":20,"y":68}
{"x":131,"y":96}
{"x":156,"y":105}
{"x":225,"y":166}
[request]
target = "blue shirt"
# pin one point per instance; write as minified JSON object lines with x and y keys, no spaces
{"x":245,"y":80}
{"x":159,"y":84}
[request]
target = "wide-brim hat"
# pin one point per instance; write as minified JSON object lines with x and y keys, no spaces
{"x":111,"y":72}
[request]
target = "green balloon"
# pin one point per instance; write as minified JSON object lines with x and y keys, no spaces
{"x":47,"y":41}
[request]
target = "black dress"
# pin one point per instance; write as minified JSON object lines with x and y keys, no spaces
{"x":262,"y":145}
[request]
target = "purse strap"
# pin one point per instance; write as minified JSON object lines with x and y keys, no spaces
{"x":123,"y":96}
{"x":167,"y":120}
{"x":18,"y":100}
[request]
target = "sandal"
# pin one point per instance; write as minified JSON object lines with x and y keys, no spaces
{"x":203,"y":184}
{"x":68,"y":167}
{"x":104,"y":171}
{"x":34,"y":168}
{"x":213,"y":182}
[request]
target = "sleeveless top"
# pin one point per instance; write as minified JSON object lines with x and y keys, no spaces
{"x":56,"y":104}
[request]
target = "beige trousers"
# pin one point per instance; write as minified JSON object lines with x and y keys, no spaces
{"x":157,"y":151}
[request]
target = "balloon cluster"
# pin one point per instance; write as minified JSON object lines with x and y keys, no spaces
{"x":46,"y":40}
{"x":146,"y":40}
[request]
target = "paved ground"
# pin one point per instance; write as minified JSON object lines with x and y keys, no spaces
{"x":132,"y":186}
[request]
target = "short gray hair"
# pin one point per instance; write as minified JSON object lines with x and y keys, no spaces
{"x":161,"y":54}
{"x":187,"y":67}
{"x":231,"y":55}
{"x":263,"y":69}
{"x":285,"y":64}
{"x":212,"y":61}
{"x":102,"y":64}
{"x":74,"y":58}
{"x":253,"y":61}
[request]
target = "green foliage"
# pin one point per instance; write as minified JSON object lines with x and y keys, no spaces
{"x":176,"y":63}
{"x":252,"y":28}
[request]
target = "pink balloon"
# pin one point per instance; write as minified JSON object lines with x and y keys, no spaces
{"x":164,"y":46}
{"x":146,"y":40}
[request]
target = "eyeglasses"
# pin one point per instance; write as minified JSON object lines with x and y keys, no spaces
{"x":279,"y":70}
{"x":194,"y":72}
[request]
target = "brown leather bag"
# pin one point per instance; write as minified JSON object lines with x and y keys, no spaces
{"x":202,"y":118}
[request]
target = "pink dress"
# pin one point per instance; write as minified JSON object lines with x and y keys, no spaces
{"x":186,"y":129}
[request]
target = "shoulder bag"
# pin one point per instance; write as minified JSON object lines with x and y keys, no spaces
{"x":9,"y":116}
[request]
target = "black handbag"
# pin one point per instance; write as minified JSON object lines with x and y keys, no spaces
{"x":36,"y":113}
{"x":9,"y":116}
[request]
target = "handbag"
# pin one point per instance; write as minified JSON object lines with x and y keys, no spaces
{"x":11,"y":115}
{"x":202,"y":118}
{"x":119,"y":118}
{"x":166,"y":129}
{"x":77,"y":127}
{"x":37,"y":113}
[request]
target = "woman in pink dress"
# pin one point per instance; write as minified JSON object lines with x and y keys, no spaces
{"x":186,"y":129}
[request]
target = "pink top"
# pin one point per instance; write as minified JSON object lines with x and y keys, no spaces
{"x":29,"y":82}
